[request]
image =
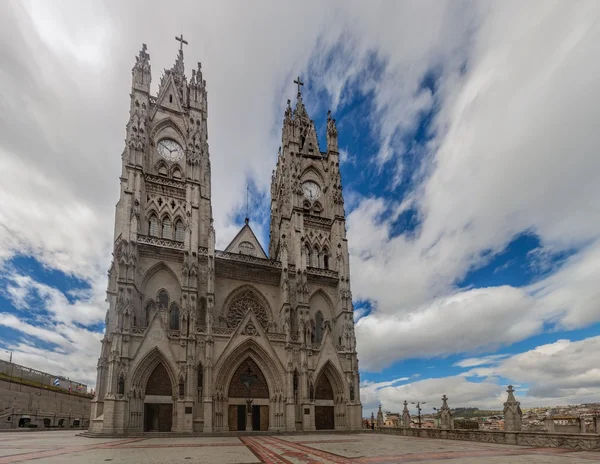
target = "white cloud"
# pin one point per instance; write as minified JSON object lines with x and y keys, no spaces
{"x":563,"y":372}
{"x":514,"y":148}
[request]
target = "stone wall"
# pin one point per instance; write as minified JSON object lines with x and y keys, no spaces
{"x":22,"y":372}
{"x":576,"y":442}
{"x":36,"y":404}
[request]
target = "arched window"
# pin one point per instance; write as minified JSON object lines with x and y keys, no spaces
{"x":325,"y":258}
{"x":200,"y":382}
{"x":307,"y":253}
{"x":306,"y":207}
{"x":319,"y":327}
{"x":201,"y":316}
{"x":150,"y":308}
{"x":315,"y":257}
{"x":174,"y":317}
{"x":179,"y":231}
{"x":162,"y":170}
{"x":176,"y":174}
{"x":153,"y":226}
{"x":121,"y":385}
{"x":317,"y":209}
{"x":167,"y":230}
{"x":163,"y":299}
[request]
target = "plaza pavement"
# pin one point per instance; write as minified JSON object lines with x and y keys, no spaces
{"x":65,"y":447}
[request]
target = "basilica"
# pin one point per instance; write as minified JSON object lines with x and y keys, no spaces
{"x":205,"y":340}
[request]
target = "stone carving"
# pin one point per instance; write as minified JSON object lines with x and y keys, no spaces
{"x":406,"y":415}
{"x":241,"y":305}
{"x":156,"y":335}
{"x":512,"y":412}
{"x":250,"y":329}
{"x":160,"y":242}
{"x":445,"y":414}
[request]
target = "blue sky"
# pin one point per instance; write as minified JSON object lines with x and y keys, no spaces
{"x":469,"y":165}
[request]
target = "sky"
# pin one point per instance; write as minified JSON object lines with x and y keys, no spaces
{"x":469,"y":147}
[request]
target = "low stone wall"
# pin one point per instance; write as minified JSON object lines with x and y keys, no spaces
{"x":42,"y":407}
{"x":573,"y":441}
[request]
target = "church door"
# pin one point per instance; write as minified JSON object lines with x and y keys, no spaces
{"x":241,"y":417}
{"x":324,"y":417}
{"x":158,"y":417}
{"x":324,"y":409}
{"x":158,"y":412}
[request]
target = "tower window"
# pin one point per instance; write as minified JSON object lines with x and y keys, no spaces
{"x":319,"y":327}
{"x":121,"y":385}
{"x":167,"y":231}
{"x":163,"y":299}
{"x":150,"y":308}
{"x":325,"y":260}
{"x":179,"y":231}
{"x":315,"y":257}
{"x":153,"y":226}
{"x":170,"y":98}
{"x":174,"y":317}
{"x":307,"y":254}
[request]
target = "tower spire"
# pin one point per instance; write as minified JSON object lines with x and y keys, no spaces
{"x":299,"y":83}
{"x":247,"y":220}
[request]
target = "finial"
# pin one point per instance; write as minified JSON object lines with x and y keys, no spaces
{"x":180,"y":39}
{"x":299,"y":82}
{"x":247,"y":220}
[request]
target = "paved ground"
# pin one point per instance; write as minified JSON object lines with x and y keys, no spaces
{"x":65,"y":448}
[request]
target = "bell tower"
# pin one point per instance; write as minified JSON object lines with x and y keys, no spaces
{"x":308,"y":236}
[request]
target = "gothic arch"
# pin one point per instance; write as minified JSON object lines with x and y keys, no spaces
{"x":229,"y":363}
{"x":161,"y":130}
{"x":328,"y":312}
{"x":175,"y":167}
{"x":335,"y":379}
{"x":252,"y":292}
{"x":145,"y":367}
{"x":158,"y":267}
{"x":310,"y":173}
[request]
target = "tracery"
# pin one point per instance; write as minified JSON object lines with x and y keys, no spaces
{"x":241,"y":305}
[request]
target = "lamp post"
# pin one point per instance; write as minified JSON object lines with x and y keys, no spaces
{"x":419,"y":403}
{"x":11,"y":370}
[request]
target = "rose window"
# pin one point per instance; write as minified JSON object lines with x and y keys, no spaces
{"x":242,"y":304}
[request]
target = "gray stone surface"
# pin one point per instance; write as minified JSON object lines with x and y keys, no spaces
{"x":65,"y":448}
{"x":175,"y":301}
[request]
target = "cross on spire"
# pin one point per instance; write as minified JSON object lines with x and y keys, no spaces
{"x":299,"y":82}
{"x":182,"y":41}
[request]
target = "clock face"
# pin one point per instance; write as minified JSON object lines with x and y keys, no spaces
{"x":312,"y":191}
{"x":170,"y":150}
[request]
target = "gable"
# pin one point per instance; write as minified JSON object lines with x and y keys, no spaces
{"x":169,"y":96}
{"x":246,"y":243}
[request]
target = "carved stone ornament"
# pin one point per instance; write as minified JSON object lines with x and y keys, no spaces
{"x":156,"y":335}
{"x":250,"y":329}
{"x":241,"y":306}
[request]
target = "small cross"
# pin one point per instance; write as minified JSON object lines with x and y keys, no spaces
{"x":180,"y":39}
{"x":299,"y":82}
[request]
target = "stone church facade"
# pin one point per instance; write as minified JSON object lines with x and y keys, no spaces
{"x":204,"y":340}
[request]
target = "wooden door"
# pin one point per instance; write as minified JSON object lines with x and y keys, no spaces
{"x":264,"y":418}
{"x":324,"y":418}
{"x":233,"y":419}
{"x":165,"y":417}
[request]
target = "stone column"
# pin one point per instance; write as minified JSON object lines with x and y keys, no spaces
{"x":446,"y":422}
{"x":405,"y":416}
{"x":512,"y":412}
{"x":379,"y":418}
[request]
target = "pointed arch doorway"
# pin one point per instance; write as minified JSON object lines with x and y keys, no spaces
{"x":324,"y":404}
{"x":248,"y":398}
{"x":158,"y":401}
